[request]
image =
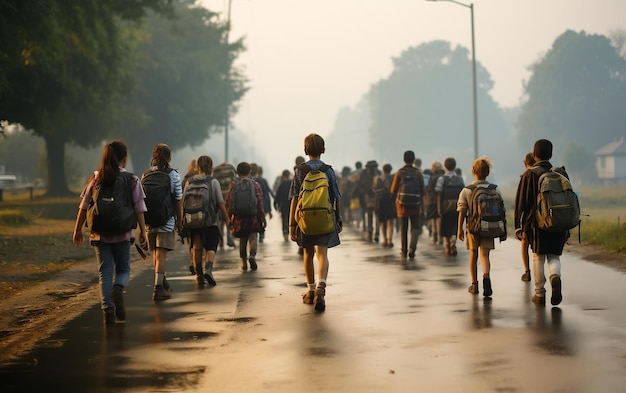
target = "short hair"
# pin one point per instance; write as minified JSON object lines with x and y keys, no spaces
{"x":435,"y":166}
{"x":543,"y":149}
{"x":314,"y":145}
{"x":387,"y":168}
{"x":481,"y":167}
{"x":409,"y":157}
{"x":254,"y":169}
{"x":449,"y":163}
{"x":418,"y":162}
{"x":300,"y":160}
{"x":358,"y":165}
{"x":286,"y":173}
{"x":243,"y":169}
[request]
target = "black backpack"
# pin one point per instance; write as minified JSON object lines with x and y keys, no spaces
{"x":159,"y":200}
{"x":111,"y":210}
{"x":452,"y":186}
{"x":243,"y":201}
{"x":410,"y":191}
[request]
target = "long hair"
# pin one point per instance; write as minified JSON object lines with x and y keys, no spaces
{"x":205,"y":165}
{"x":112,"y":155}
{"x":161,"y":155}
{"x":192,"y":169}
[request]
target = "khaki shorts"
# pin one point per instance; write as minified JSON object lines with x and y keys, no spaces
{"x":475,"y":241}
{"x":165,"y":240}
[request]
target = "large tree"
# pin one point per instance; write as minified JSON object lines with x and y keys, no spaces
{"x":425,"y":104}
{"x":185,"y":78}
{"x":61,"y":71}
{"x":575,"y":95}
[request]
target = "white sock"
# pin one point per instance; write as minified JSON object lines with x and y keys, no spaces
{"x":158,"y":278}
{"x":311,"y":286}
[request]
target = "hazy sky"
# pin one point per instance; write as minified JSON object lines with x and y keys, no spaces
{"x":307,"y":59}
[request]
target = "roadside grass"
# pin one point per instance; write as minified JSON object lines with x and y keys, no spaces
{"x":15,"y":217}
{"x":603,"y":216}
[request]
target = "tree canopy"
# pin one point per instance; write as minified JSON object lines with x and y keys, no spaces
{"x":575,"y":96}
{"x":425,"y":105}
{"x":82,"y":71}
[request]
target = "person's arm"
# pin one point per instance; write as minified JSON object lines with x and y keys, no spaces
{"x":259,"y":204}
{"x":462,"y":208}
{"x":460,"y":233}
{"x":81,"y":216}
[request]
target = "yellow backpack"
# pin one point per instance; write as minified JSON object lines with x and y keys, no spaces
{"x":314,"y":212}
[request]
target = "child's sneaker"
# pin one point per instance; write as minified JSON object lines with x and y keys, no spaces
{"x":526,"y":276}
{"x":160,"y":293}
{"x":308,"y":297}
{"x":253,"y":265}
{"x":319,"y":301}
{"x":108,"y":316}
{"x":539,"y":300}
{"x":473,"y":288}
{"x":118,"y":299}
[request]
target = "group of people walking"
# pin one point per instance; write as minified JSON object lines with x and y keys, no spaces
{"x":409,"y":200}
{"x":121,"y":209}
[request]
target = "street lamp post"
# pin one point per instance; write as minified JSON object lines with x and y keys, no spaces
{"x":474,"y":98}
{"x":227,"y":109}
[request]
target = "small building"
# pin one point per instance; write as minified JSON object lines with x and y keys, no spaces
{"x":611,"y":162}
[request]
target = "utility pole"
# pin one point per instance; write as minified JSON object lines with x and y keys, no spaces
{"x":227,"y":87}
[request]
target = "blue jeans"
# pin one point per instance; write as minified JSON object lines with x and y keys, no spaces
{"x":113,"y":260}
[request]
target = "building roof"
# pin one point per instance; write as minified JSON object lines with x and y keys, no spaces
{"x":615,"y":148}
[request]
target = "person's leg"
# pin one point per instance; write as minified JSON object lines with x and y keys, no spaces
{"x":376,"y":226}
{"x":415,"y":230}
{"x":284,"y":216}
{"x":370,"y":223}
{"x":197,"y":254}
{"x":525,"y":259}
{"x":454,"y":221}
{"x":438,"y":228}
{"x":121,"y":256}
{"x":309,"y":273}
{"x":252,"y":241}
{"x":243,"y":252}
{"x":540,"y":278}
{"x":404,"y":227}
{"x":473,"y":266}
{"x":554,"y":267}
{"x":104,"y":256}
{"x":486,"y":264}
{"x":390,"y":232}
{"x":383,"y":230}
{"x":211,"y":237}
{"x":322,"y":269}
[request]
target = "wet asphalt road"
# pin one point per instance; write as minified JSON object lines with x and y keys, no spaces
{"x":388,"y":327}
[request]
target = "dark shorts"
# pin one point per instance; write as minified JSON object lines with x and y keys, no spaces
{"x":211,"y":237}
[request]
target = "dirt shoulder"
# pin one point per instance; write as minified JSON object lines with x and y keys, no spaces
{"x":47,"y":281}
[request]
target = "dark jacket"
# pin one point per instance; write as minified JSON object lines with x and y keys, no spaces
{"x":541,"y":242}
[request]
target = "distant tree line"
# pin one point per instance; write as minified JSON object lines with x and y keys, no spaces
{"x":575,"y":96}
{"x":79,"y":72}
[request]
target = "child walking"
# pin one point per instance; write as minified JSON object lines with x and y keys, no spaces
{"x":311,"y":244}
{"x":477,"y":244}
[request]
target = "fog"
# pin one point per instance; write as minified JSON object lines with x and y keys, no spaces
{"x":307,"y":62}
